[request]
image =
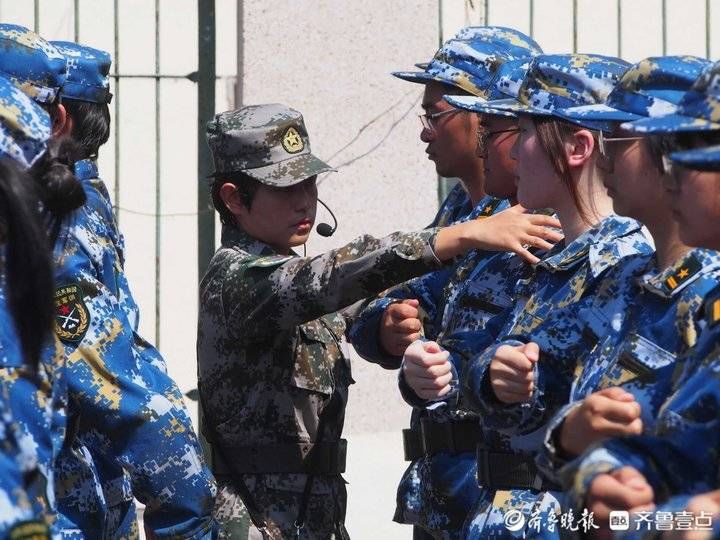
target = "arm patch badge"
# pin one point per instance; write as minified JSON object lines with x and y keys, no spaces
{"x":29,"y":530}
{"x":71,"y":315}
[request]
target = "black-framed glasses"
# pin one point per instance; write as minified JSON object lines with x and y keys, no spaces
{"x":483,"y":138}
{"x":428,"y":120}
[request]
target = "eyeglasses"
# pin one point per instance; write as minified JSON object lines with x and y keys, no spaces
{"x":603,"y":140}
{"x":483,"y":138}
{"x":428,"y":120}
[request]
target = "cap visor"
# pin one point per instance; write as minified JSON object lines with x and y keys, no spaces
{"x":422,"y":65}
{"x":476,"y":104}
{"x":290,"y":171}
{"x":670,"y":123}
{"x":702,"y":158}
{"x":420,"y":77}
{"x":598,"y":112}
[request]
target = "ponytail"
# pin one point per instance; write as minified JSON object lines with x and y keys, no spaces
{"x":28,"y":264}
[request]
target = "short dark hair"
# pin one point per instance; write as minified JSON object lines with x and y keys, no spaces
{"x":246,"y":185}
{"x":91,"y":125}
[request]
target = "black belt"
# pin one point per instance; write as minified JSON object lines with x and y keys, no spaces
{"x":327,"y":458}
{"x":437,"y":437}
{"x":505,"y":471}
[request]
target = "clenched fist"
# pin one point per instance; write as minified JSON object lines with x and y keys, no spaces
{"x":512,"y":372}
{"x":400,"y":326}
{"x":427,"y":370}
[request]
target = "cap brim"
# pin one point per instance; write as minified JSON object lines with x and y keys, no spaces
{"x":477,"y":104}
{"x":420,"y":77}
{"x":290,"y":171}
{"x":670,"y":123}
{"x":422,"y":65}
{"x":597,"y":112}
{"x":698,"y":158}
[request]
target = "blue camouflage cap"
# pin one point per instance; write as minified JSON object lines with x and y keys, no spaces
{"x":560,"y":81}
{"x":515,"y":42}
{"x":507,"y":82}
{"x":698,"y":110}
{"x":652,"y":87}
{"x":470,"y":64}
{"x":31,"y":62}
{"x":707,"y":158}
{"x":25,"y":127}
{"x":87,"y":75}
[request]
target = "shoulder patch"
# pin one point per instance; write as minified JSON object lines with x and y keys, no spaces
{"x":266,"y":262}
{"x":71,"y":315}
{"x":690,"y":267}
{"x":29,"y":530}
{"x":489,"y":208}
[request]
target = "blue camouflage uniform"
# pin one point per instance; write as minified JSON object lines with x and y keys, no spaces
{"x":26,"y":410}
{"x":629,"y":326}
{"x":546,"y":301}
{"x":118,"y":403}
{"x":678,"y":456}
{"x":89,"y":482}
{"x":438,"y":488}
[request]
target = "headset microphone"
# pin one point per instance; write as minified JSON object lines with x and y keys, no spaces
{"x":324,"y":229}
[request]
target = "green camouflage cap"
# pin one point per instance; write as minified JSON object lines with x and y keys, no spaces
{"x":266,"y":142}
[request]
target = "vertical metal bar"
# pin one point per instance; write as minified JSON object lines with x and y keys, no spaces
{"x":707,"y":28}
{"x":575,"y":29}
{"x":158,"y":205}
{"x":206,"y":110}
{"x":664,"y":27}
{"x":76,"y":20}
{"x":440,"y":23}
{"x":532,"y":18}
{"x":116,"y":99}
{"x":240,"y":42}
{"x":36,"y":16}
{"x":619,"y":28}
{"x":487,"y":12}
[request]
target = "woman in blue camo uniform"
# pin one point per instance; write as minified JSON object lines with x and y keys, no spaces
{"x":26,"y":312}
{"x":118,"y":396}
{"x":678,"y":457}
{"x":629,"y":371}
{"x":438,"y":488}
{"x":559,"y":166}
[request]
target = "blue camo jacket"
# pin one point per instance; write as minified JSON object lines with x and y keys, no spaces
{"x":548,"y":303}
{"x":679,"y":455}
{"x":122,"y":407}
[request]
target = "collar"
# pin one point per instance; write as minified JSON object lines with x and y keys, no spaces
{"x":85,"y":169}
{"x":487,"y":206}
{"x":604,"y":245}
{"x":235,"y":238}
{"x":682,"y":273}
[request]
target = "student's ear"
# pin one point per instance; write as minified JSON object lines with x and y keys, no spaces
{"x":231,"y":199}
{"x":580,"y":147}
{"x":62,"y":122}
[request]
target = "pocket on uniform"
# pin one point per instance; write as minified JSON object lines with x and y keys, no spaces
{"x":311,"y":369}
{"x":640,"y":360}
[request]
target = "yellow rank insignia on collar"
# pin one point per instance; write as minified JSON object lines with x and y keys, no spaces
{"x":292,"y":141}
{"x":712,"y":312}
{"x":687,"y":269}
{"x":29,"y":530}
{"x":489,"y":208}
{"x":71,"y":315}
